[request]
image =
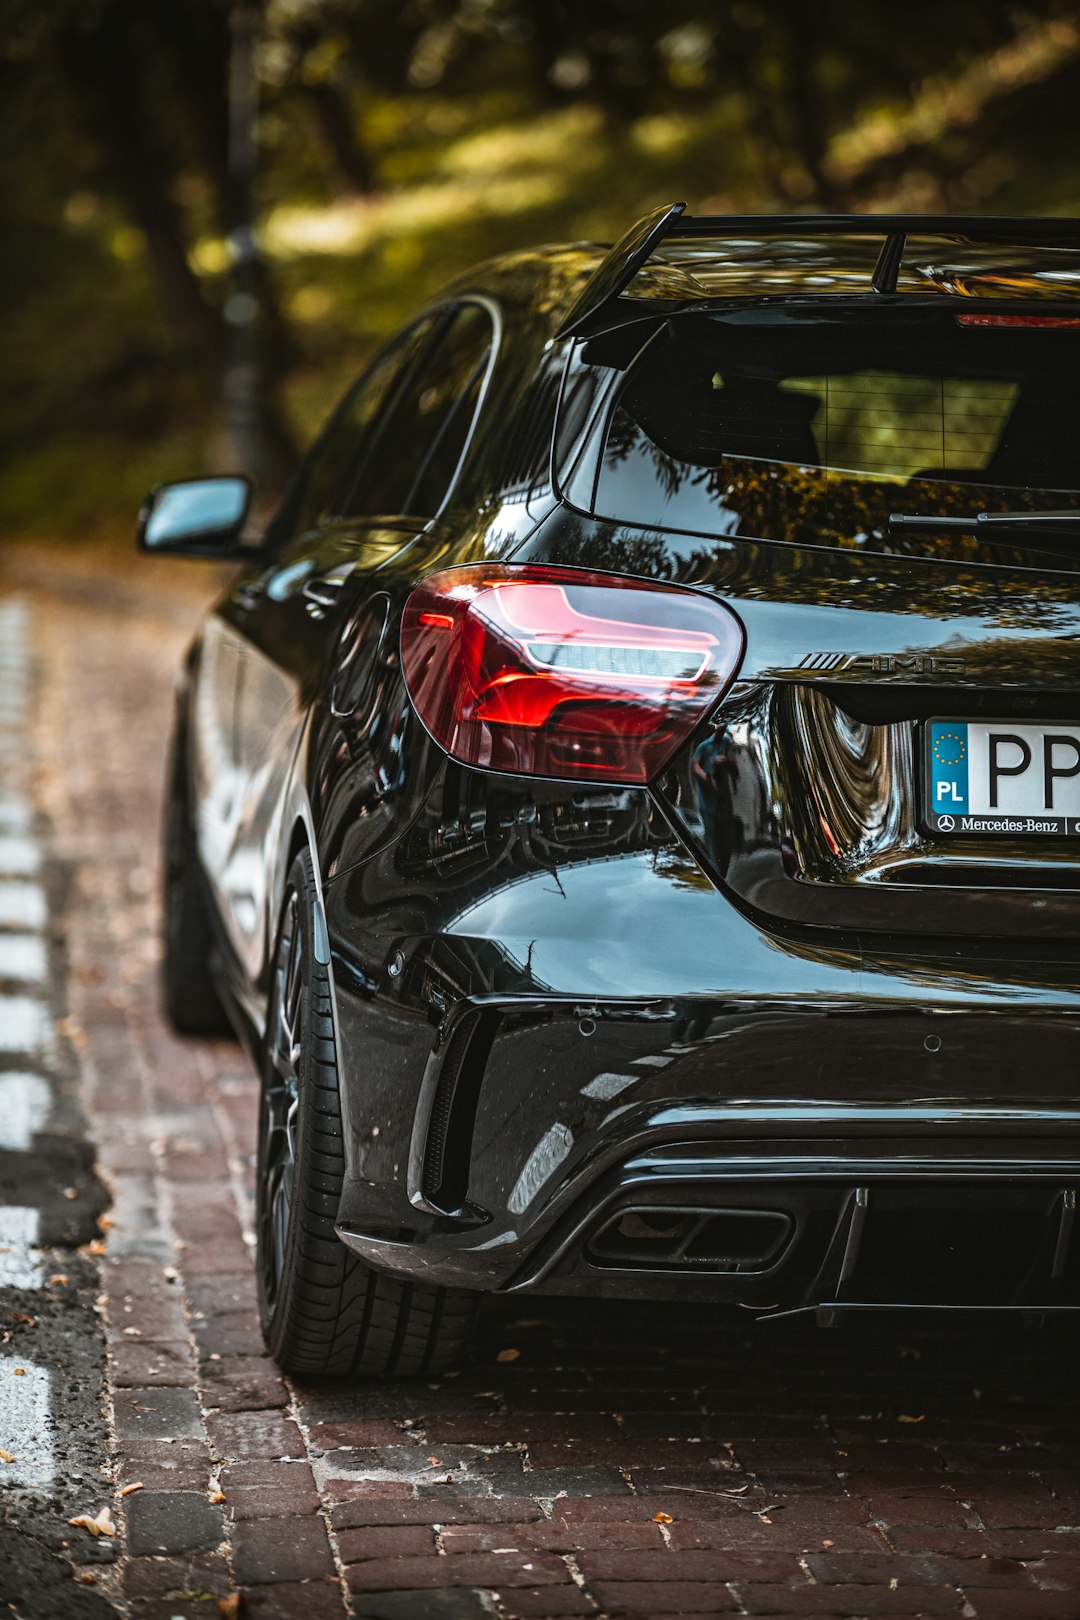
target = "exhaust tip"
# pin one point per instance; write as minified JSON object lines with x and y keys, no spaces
{"x":672,"y":1239}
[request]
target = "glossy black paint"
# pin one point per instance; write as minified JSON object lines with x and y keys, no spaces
{"x":757,"y":985}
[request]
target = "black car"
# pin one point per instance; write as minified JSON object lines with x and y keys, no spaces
{"x":629,"y":799}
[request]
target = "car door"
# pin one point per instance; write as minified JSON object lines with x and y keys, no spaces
{"x":379,"y":475}
{"x":222,"y":751}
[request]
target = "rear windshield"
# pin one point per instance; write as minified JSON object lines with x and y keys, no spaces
{"x":815,"y":432}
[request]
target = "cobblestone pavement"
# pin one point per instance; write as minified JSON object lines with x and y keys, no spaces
{"x":618,"y":1461}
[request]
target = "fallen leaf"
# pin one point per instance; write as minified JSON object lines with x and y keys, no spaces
{"x":27,"y":1321}
{"x":137,"y":1486}
{"x":508,"y":1355}
{"x":60,"y":1278}
{"x":906,"y":1418}
{"x":87,"y":1578}
{"x":7,"y":1456}
{"x":95,"y":1247}
{"x":230,"y":1607}
{"x":20,"y":1372}
{"x":106,"y":1222}
{"x":828,"y":1543}
{"x":71,"y":1192}
{"x":217,"y":1496}
{"x":101,"y":1525}
{"x":663,"y":1518}
{"x":893,"y":1584}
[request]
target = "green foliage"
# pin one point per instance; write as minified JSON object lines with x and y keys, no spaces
{"x":403,"y":140}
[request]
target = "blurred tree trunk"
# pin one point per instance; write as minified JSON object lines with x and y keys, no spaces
{"x":547,"y":37}
{"x":346,"y":156}
{"x":198,"y":41}
{"x":806,"y":105}
{"x":105,"y":82}
{"x":195,"y":42}
{"x":740,"y":53}
{"x":111,"y":72}
{"x":613,"y":47}
{"x":259,"y":442}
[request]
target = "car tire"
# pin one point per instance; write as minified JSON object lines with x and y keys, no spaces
{"x":323,"y":1310}
{"x":192,"y":1004}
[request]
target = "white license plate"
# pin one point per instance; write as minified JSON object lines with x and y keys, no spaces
{"x":998,"y":776}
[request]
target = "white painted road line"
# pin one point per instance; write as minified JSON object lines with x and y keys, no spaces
{"x":25,"y":1103}
{"x":20,"y":1265}
{"x":19,"y":855}
{"x":22,"y":905}
{"x":22,"y":958}
{"x":25,"y":1411}
{"x":26,"y":1424}
{"x":15,"y":814}
{"x":24,"y":1024}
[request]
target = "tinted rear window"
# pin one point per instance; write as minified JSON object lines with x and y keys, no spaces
{"x":814,"y":433}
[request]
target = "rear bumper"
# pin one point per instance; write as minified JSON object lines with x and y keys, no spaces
{"x":789,"y":1240}
{"x":568,"y":1047}
{"x":841,"y":1166}
{"x":819,"y":1230}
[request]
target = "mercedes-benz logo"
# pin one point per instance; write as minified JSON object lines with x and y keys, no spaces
{"x":946,"y":824}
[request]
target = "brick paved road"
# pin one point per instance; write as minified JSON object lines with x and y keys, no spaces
{"x":605,"y":1461}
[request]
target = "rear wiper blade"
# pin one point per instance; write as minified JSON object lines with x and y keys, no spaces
{"x":978,"y":522}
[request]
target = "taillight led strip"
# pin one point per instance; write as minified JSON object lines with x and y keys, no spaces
{"x":558,"y":672}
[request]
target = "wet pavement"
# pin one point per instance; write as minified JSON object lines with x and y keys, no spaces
{"x":612,"y":1461}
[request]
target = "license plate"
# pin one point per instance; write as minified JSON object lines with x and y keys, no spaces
{"x":997,"y":776}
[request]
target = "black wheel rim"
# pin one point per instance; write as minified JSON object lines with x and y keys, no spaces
{"x":280,"y":1101}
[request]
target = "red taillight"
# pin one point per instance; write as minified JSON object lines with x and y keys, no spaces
{"x":554,"y":672}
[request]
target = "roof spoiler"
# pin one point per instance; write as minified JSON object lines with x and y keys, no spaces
{"x":622,"y":263}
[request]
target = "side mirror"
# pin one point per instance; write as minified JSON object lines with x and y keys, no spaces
{"x":202,"y":517}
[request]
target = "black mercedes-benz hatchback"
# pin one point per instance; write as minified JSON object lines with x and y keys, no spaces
{"x":628,"y":800}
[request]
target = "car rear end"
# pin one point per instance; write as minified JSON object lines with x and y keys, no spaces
{"x":791,"y":1018}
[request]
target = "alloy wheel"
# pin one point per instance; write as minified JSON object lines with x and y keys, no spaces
{"x":281,"y":1100}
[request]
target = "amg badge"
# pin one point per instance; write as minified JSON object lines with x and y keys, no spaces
{"x":884,"y":663}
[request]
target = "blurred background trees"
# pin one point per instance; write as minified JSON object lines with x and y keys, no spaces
{"x":400,"y":141}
